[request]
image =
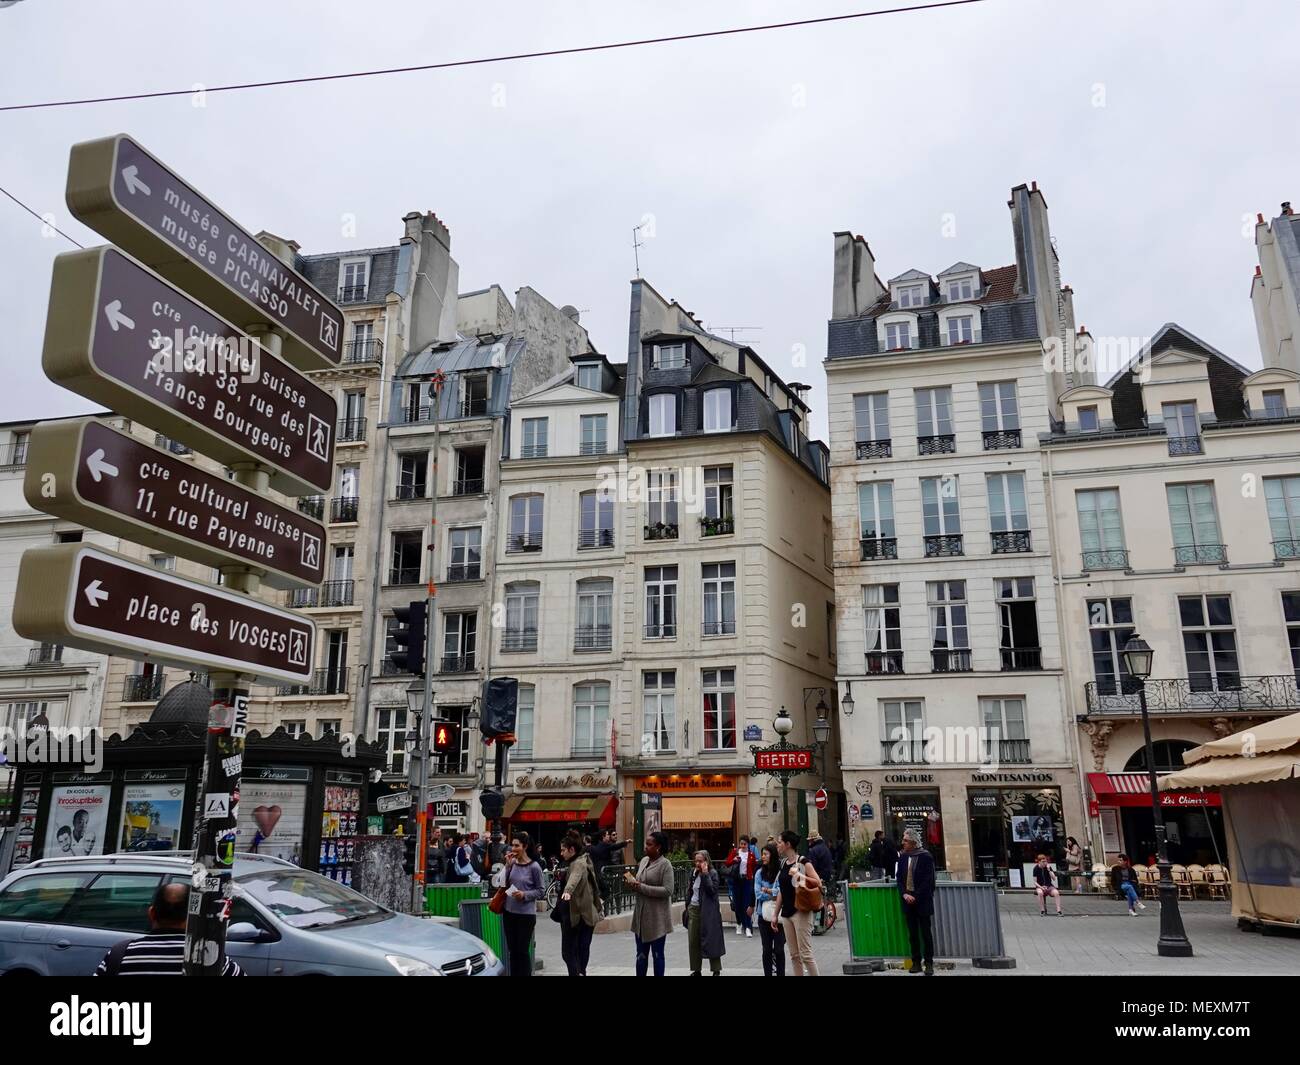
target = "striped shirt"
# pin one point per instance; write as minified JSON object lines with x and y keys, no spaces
{"x":157,"y":954}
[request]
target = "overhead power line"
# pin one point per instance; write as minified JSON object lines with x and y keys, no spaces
{"x":577,"y":50}
{"x":40,"y":218}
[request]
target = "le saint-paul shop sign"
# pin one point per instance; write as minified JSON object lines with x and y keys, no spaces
{"x":593,"y":781}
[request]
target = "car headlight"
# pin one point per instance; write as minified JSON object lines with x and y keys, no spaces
{"x":492,"y":960}
{"x":411,"y":966}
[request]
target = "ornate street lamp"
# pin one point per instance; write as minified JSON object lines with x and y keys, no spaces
{"x":1173,"y":943}
{"x":846,"y":704}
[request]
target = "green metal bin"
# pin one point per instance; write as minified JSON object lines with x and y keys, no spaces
{"x":478,"y":920}
{"x":876,"y":925}
{"x":443,"y":900}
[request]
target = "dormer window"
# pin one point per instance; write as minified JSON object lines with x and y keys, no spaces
{"x":1275,"y":404}
{"x":961,"y":329}
{"x":898,"y":335}
{"x":669,"y":357}
{"x":911,"y":295}
{"x":717,"y":410}
{"x":960,"y":288}
{"x":354,"y":276}
{"x":589,"y":376}
{"x":662,"y":408}
{"x":1088,"y":420}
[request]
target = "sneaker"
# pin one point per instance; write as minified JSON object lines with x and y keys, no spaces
{"x":739,"y":931}
{"x":1042,"y":913}
{"x":1142,"y":905}
{"x":1132,"y":913}
{"x":1059,"y":913}
{"x":749,"y":933}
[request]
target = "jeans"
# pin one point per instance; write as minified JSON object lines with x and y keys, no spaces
{"x":643,"y":950}
{"x":694,"y":947}
{"x":744,"y":900}
{"x":518,"y":929}
{"x":575,"y":946}
{"x":1130,"y":893}
{"x":798,"y":936}
{"x":920,"y":930}
{"x":773,"y":948}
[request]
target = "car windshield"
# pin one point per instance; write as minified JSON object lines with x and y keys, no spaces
{"x":305,"y":900}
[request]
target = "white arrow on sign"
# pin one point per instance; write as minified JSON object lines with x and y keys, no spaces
{"x":116,"y":318}
{"x":97,"y":465}
{"x":440,"y":793}
{"x":131,"y":175}
{"x":95,"y":593}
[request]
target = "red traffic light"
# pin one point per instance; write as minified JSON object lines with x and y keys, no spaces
{"x":446,"y":737}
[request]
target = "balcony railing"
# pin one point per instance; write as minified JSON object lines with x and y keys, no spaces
{"x":592,"y":447}
{"x":351,"y":430}
{"x":336,"y":593}
{"x":1200,"y":554}
{"x":404,"y":575}
{"x":664,"y":630}
{"x":143,"y":688}
{"x":1283,"y":549}
{"x":414,"y":412}
{"x":344,"y":508}
{"x":1001,"y":439}
{"x":355,"y":351}
{"x":1224,"y":694}
{"x":661,"y":531}
{"x":312,"y":506}
{"x":1021,"y":659}
{"x":533,"y":451}
{"x":947,"y":544}
{"x":474,"y":408}
{"x":593,"y":638}
{"x":595,"y":538}
{"x":469,"y":571}
{"x":1109,"y":558}
{"x":467,"y":486}
{"x":943,"y":444}
{"x":352,"y":293}
{"x":1013,"y":752}
{"x":884,"y":661}
{"x":519,"y":640}
{"x":323,"y":682}
{"x":586,"y":751}
{"x":456,"y":664}
{"x":168,"y":444}
{"x":47,"y":654}
{"x":717,"y":526}
{"x":13,"y":455}
{"x":303,"y":598}
{"x":880,"y":547}
{"x":951,"y":660}
{"x":1011,"y":542}
{"x":902,"y":752}
{"x":531,"y":541}
{"x":718,"y":628}
{"x":875,"y":449}
{"x":1185,"y":445}
{"x":411,"y":491}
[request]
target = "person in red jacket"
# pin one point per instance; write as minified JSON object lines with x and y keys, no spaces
{"x":742,"y":863}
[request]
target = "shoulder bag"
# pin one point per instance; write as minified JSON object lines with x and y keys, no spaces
{"x":806,"y":899}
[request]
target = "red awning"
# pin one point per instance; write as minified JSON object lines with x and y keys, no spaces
{"x":1134,"y":789}
{"x":578,"y":808}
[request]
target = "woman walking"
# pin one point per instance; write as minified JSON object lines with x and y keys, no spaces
{"x":522,"y":880}
{"x":652,"y":916}
{"x":1074,"y":863}
{"x":579,"y":908}
{"x":797,"y":872}
{"x":703,"y":917}
{"x":767,"y":903}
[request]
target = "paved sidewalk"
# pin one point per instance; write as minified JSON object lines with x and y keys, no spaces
{"x":1096,"y":937}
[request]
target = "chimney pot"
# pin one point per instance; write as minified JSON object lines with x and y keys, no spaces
{"x":1259,"y":217}
{"x":1286,"y":206}
{"x":1033,"y":185}
{"x":1258,"y":271}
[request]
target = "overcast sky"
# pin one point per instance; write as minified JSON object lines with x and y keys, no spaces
{"x":1154,"y":128}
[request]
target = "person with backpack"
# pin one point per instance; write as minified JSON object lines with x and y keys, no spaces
{"x":800,"y":889}
{"x":463,"y":863}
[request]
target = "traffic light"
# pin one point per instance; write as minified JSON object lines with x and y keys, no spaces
{"x":408,"y":857}
{"x":492,"y":803}
{"x":500,"y":707}
{"x":409,"y":636}
{"x":446,"y":737}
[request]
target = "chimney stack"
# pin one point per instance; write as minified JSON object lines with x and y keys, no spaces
{"x":856,"y":287}
{"x":1286,"y":207}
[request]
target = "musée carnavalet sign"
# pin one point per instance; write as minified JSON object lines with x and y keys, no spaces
{"x":586,"y":781}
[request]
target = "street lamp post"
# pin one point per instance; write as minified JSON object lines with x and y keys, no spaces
{"x":1173,"y":941}
{"x":783,"y":724}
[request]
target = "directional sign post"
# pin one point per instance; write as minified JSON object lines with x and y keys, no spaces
{"x":398,"y":800}
{"x":120,"y":190}
{"x":86,"y":472}
{"x":115,"y":334}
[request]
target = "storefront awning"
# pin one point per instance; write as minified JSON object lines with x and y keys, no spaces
{"x":598,"y":808}
{"x":699,"y":811}
{"x":1221,"y":772}
{"x":1134,"y":789}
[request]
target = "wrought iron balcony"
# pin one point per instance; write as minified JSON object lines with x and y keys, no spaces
{"x":884,"y":661}
{"x":1201,"y":554}
{"x":323,"y":682}
{"x":943,"y":444}
{"x":718,"y":628}
{"x":717,"y":526}
{"x":411,"y":491}
{"x":664,"y":630}
{"x":875,"y":449}
{"x":312,"y":506}
{"x":902,"y":752}
{"x":404,"y":575}
{"x":456,"y":664}
{"x":1110,"y":558}
{"x":1021,"y":659}
{"x":531,"y":541}
{"x":47,"y":654}
{"x":411,"y":413}
{"x":168,"y":444}
{"x":1185,"y":445}
{"x":13,"y":455}
{"x":593,"y":447}
{"x":661,"y":531}
{"x":467,"y":486}
{"x":143,"y":688}
{"x":1011,"y":542}
{"x":595,"y":538}
{"x":474,"y":408}
{"x":593,"y":638}
{"x":880,"y":547}
{"x":336,"y":593}
{"x":519,"y":640}
{"x":470,"y":571}
{"x":358,"y":351}
{"x":1001,"y":439}
{"x":533,"y":451}
{"x":1014,"y":752}
{"x":940,"y":546}
{"x":303,"y":598}
{"x":1224,"y":694}
{"x":344,"y":508}
{"x":352,"y":294}
{"x":1284,"y":549}
{"x":951,"y":660}
{"x":351,"y":430}
{"x":579,"y":750}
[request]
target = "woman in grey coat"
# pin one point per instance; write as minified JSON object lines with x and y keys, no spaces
{"x":522,"y":880}
{"x":703,"y":917}
{"x":652,"y":916}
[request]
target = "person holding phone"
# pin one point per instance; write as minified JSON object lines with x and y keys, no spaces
{"x":703,"y":917}
{"x":767,"y":907}
{"x":522,"y":880}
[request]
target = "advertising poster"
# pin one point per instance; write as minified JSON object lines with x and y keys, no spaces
{"x":151,"y":817}
{"x":271,"y":818}
{"x":78,"y":820}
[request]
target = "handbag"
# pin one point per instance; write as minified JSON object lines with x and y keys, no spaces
{"x":806,"y":899}
{"x":767,"y":911}
{"x":497,"y":904}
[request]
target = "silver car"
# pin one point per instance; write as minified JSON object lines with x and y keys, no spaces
{"x":59,"y":917}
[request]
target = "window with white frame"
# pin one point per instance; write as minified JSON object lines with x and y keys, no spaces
{"x":534,"y":444}
{"x":1180,"y":420}
{"x":661,"y":495}
{"x":661,"y":602}
{"x":1101,"y":526}
{"x":884,"y":628}
{"x":1291,"y":615}
{"x":717,"y":410}
{"x":999,"y":409}
{"x":589,"y":375}
{"x":391,"y":733}
{"x":329,"y":725}
{"x":662,"y":407}
{"x":902,"y":727}
{"x":593,"y":434}
{"x":520,"y":633}
{"x":940,"y":506}
{"x":295,"y":729}
{"x":961,"y":328}
{"x":1089,"y":420}
{"x":525,"y":523}
{"x":1282,"y":495}
{"x":590,"y":719}
{"x":525,"y":705}
{"x":960,"y":288}
{"x":719,"y":709}
{"x":1209,"y":642}
{"x":898,"y":335}
{"x":934,"y":411}
{"x":658,"y":711}
{"x":465,"y":562}
{"x":949,"y":635}
{"x":876,"y":519}
{"x":595,"y":614}
{"x":1008,"y":511}
{"x":871,"y":417}
{"x":719,"y":598}
{"x":1018,"y":623}
{"x":717,"y":497}
{"x":1003,"y":718}
{"x":1110,"y":627}
{"x":1275,"y":403}
{"x":460,"y":641}
{"x":1194,"y":522}
{"x":669,"y":356}
{"x":353,"y":279}
{"x":595,"y":519}
{"x":911,"y":295}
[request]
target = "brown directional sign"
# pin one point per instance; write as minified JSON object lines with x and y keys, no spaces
{"x":86,"y":597}
{"x":89,"y":473}
{"x":119,"y":334}
{"x":120,"y":190}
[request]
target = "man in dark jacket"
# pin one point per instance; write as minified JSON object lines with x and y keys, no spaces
{"x":916,"y":890}
{"x":820,"y":856}
{"x":883,"y":856}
